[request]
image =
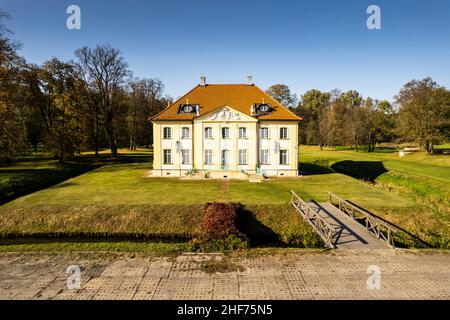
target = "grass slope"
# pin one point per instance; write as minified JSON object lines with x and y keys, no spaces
{"x":120,"y":200}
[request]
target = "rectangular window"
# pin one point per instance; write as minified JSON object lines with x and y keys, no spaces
{"x":242,"y":133}
{"x":167,"y":133}
{"x":264,"y":157}
{"x":185,"y":133}
{"x":167,"y":156}
{"x":284,"y":160}
{"x":208,"y":157}
{"x":243,"y":157}
{"x":264,"y":133}
{"x":225,"y":133}
{"x":284,"y":133}
{"x":185,"y":156}
{"x":208,"y":133}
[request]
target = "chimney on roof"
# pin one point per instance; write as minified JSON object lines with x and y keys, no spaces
{"x":249,"y":80}
{"x":203,"y":81}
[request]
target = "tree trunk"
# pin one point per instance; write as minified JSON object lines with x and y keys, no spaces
{"x":113,"y":143}
{"x":114,"y":150}
{"x":61,"y":152}
{"x":132,"y":146}
{"x":97,"y":147}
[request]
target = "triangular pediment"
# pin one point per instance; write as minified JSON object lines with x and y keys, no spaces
{"x":226,"y":114}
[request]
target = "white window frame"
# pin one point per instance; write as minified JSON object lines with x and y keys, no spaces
{"x":169,"y":136}
{"x":208,"y":157}
{"x":184,"y":158}
{"x":225,"y":129}
{"x":264,"y":137}
{"x":284,"y":163}
{"x":167,"y":152}
{"x":183,"y":130}
{"x":210,"y":135}
{"x":242,"y":133}
{"x":261,"y":158}
{"x":242,"y":157}
{"x":286,"y":130}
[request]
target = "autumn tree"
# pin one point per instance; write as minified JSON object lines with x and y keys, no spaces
{"x":338,"y":116}
{"x":33,"y":126}
{"x":11,"y":128}
{"x":383,"y":123}
{"x":106,"y":71}
{"x":54,"y":91}
{"x":312,"y":108}
{"x":424,"y":112}
{"x":282,"y":94}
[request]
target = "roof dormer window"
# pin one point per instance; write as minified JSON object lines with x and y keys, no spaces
{"x":189,"y":108}
{"x":263,"y":108}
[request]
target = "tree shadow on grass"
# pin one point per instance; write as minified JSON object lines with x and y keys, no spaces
{"x":258,"y":234}
{"x":363,"y":170}
{"x":25,"y":181}
{"x":309,"y":169}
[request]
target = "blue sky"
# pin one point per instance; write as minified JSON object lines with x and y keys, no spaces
{"x":304,"y":44}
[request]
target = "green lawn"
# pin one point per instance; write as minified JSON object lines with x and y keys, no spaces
{"x":30,"y":174}
{"x":36,"y":171}
{"x":121,"y":200}
{"x":422,"y":178}
{"x":128,"y":184}
{"x":443,"y":146}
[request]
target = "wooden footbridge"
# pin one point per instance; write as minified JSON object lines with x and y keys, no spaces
{"x":343,"y":225}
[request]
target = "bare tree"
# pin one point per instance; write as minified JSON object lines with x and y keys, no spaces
{"x":145,"y":100}
{"x":4,"y":16}
{"x":88,"y":90}
{"x":106,"y":71}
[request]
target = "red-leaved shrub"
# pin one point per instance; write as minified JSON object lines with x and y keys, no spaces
{"x":219,"y":221}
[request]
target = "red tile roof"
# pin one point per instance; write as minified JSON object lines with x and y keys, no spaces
{"x":240,"y":97}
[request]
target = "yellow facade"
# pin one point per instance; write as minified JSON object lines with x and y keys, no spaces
{"x":215,"y":145}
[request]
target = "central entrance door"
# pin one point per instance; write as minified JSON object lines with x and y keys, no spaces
{"x":225,"y":161}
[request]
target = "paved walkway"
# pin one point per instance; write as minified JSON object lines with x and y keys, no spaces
{"x":294,"y":275}
{"x":350,"y":234}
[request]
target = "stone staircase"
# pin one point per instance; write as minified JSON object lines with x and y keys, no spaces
{"x":255,"y":177}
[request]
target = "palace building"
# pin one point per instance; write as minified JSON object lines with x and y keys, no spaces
{"x":225,"y":131}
